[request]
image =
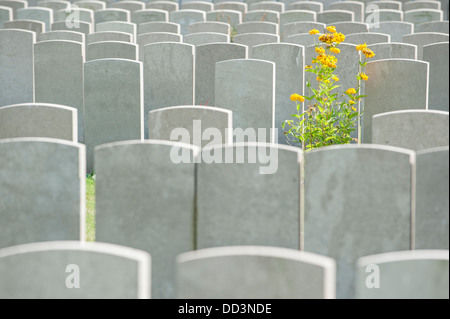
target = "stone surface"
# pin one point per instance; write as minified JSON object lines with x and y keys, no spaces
{"x":384,"y":15}
{"x":302,"y":27}
{"x":232,"y":17}
{"x":14,"y":5}
{"x":39,"y":120}
{"x":111,"y":14}
{"x":200,"y":38}
{"x":186,"y":17}
{"x":268,"y":5}
{"x":232,"y":5}
{"x":209,"y":26}
{"x":42,"y":191}
{"x":256,"y":38}
{"x":348,"y":28}
{"x":393,"y":5}
{"x":303,"y":39}
{"x":434,"y":26}
{"x":140,"y":178}
{"x":396,"y":29}
{"x":423,"y":15}
{"x":438,"y":96}
{"x":112,"y":50}
{"x":29,"y":25}
{"x":262,"y":15}
{"x":409,"y":129}
{"x":149,"y":15}
{"x":6,"y":14}
{"x":333,"y":16}
{"x":367,"y":37}
{"x":128,"y":5}
{"x":58,"y":76}
{"x":48,"y":270}
{"x":289,"y":61}
{"x":247,"y":87}
{"x":197,"y":5}
{"x":108,"y":36}
{"x":82,"y":15}
{"x":196,"y":120}
{"x":206,"y":57}
{"x":424,"y":38}
{"x":393,"y":85}
{"x":315,"y":6}
{"x":357,"y":203}
{"x":357,"y":7}
{"x":405,"y":275}
{"x":16,"y":63}
{"x":91,"y":4}
{"x":163,"y":5}
{"x":39,"y":14}
{"x":113,"y":90}
{"x":83,"y":27}
{"x":62,"y":35}
{"x":156,"y":26}
{"x":118,"y":26}
{"x":249,"y":272}
{"x":295,"y":16}
{"x":393,"y":50}
{"x":265,"y":212}
{"x":413,"y":5}
{"x":432,"y":203}
{"x":264,"y":27}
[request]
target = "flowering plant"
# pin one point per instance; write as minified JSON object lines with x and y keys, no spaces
{"x":327,"y":120}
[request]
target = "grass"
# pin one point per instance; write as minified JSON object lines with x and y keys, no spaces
{"x":90,"y":208}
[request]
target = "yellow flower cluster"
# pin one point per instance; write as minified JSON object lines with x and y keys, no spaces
{"x":367,"y":52}
{"x":351,"y":91}
{"x":297,"y":97}
{"x":314,"y":31}
{"x":364,"y":76}
{"x":335,"y":50}
{"x":327,"y":60}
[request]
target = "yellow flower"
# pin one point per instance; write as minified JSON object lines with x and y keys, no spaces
{"x":308,"y":67}
{"x":327,"y":38}
{"x":318,"y":79}
{"x":360,"y":47}
{"x":335,"y":50}
{"x":368,"y":53}
{"x":297,"y":97}
{"x":313,"y":31}
{"x":335,"y":78}
{"x":331,"y":29}
{"x":326,"y":81}
{"x":338,"y":37}
{"x":351,"y":91}
{"x":364,"y":76}
{"x":353,"y":108}
{"x":320,"y":50}
{"x":351,"y":102}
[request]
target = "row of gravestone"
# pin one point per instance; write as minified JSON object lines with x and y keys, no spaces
{"x":168,"y":198}
{"x":43,"y":19}
{"x":71,"y":269}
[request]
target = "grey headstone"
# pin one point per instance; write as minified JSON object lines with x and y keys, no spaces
{"x":393,"y":50}
{"x":39,"y":120}
{"x":396,"y":29}
{"x":58,"y":76}
{"x":128,"y":5}
{"x":62,"y":35}
{"x":91,"y":4}
{"x":6,"y":14}
{"x":303,"y":39}
{"x":55,"y":5}
{"x":249,"y":272}
{"x":315,"y":6}
{"x":341,"y":220}
{"x":39,"y":14}
{"x":404,"y":86}
{"x":103,"y":36}
{"x":29,"y":25}
{"x":413,"y":5}
{"x":302,"y":27}
{"x":209,"y":26}
{"x":112,"y":50}
{"x":254,"y":26}
{"x":158,"y":27}
{"x":265,"y":212}
{"x":163,"y":5}
{"x":268,"y":5}
{"x":42,"y":190}
{"x":113,"y":90}
{"x":82,"y":15}
{"x":367,"y":37}
{"x":83,"y":27}
{"x":139,"y":178}
{"x":256,"y":38}
{"x":295,"y":16}
{"x":200,"y":38}
{"x":111,"y":14}
{"x":232,"y":5}
{"x":384,"y":15}
{"x":348,"y":28}
{"x":149,"y":15}
{"x":48,"y":270}
{"x":432,"y":203}
{"x":408,"y":129}
{"x":195,"y":120}
{"x":405,"y":275}
{"x":118,"y":26}
{"x":14,"y":5}
{"x":197,"y":5}
{"x":168,"y":76}
{"x":247,"y":87}
{"x":393,"y":5}
{"x":232,"y":17}
{"x":186,"y":17}
{"x":262,"y":15}
{"x":436,"y":54}
{"x":434,"y":26}
{"x":206,"y":57}
{"x":424,"y":38}
{"x":357,"y":7}
{"x":333,"y":16}
{"x":16,"y":63}
{"x":289,"y":61}
{"x":423,"y":15}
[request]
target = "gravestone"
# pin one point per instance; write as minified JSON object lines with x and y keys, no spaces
{"x":434,"y":26}
{"x":302,"y":27}
{"x":232,"y":5}
{"x":413,"y":5}
{"x":139,"y":177}
{"x":263,"y":27}
{"x":49,"y":270}
{"x":186,"y":17}
{"x":91,"y":4}
{"x":256,"y":38}
{"x":423,"y":15}
{"x":103,"y":36}
{"x":432,"y":203}
{"x":247,"y":87}
{"x":128,"y":5}
{"x":385,"y":15}
{"x":62,"y":35}
{"x":262,"y":15}
{"x":16,"y":63}
{"x":438,"y":96}
{"x":315,"y":6}
{"x":39,"y":120}
{"x":118,"y":26}
{"x":14,"y":5}
{"x":268,"y":5}
{"x":196,"y":120}
{"x":200,"y":38}
{"x":82,"y":15}
{"x":303,"y":39}
{"x":158,"y":27}
{"x":206,"y":57}
{"x":341,"y":221}
{"x":30,"y":25}
{"x":6,"y":14}
{"x":168,"y":76}
{"x":39,"y":14}
{"x":265,"y":212}
{"x":348,"y":28}
{"x":295,"y":16}
{"x":289,"y":61}
{"x":58,"y":76}
{"x":42,"y":195}
{"x":404,"y":86}
{"x":111,"y":14}
{"x":333,"y":16}
{"x":393,"y":50}
{"x":149,"y":15}
{"x":163,"y":5}
{"x":424,"y":38}
{"x":368,"y":38}
{"x":112,"y":50}
{"x":232,"y":17}
{"x":156,"y":37}
{"x":405,"y":275}
{"x":393,"y":5}
{"x":83,"y":27}
{"x":259,"y":272}
{"x":113,"y":93}
{"x":197,"y":5}
{"x":357,"y":7}
{"x":209,"y":26}
{"x":395,"y":29}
